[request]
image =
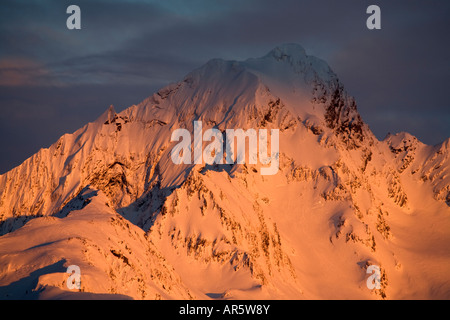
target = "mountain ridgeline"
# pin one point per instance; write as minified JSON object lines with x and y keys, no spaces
{"x":109,"y":199}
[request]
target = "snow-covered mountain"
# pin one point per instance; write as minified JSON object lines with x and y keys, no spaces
{"x":109,"y":199}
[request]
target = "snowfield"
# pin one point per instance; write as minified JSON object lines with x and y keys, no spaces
{"x":109,"y":199}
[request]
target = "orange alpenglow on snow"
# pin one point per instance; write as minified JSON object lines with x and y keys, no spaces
{"x":109,"y":199}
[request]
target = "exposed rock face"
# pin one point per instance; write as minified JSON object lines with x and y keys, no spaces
{"x":109,"y":199}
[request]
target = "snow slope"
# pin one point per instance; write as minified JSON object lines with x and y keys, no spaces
{"x":109,"y":199}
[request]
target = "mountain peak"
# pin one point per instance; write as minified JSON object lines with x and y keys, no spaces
{"x":290,"y":65}
{"x":110,"y":199}
{"x":401,"y":141}
{"x":107,"y":116}
{"x":293,"y":51}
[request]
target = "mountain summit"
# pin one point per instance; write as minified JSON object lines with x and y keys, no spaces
{"x":109,"y":199}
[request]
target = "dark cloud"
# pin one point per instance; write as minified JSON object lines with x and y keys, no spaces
{"x":34,"y":117}
{"x":399,"y":74}
{"x":53,"y":80}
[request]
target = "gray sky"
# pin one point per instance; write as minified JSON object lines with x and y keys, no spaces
{"x":54,"y":80}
